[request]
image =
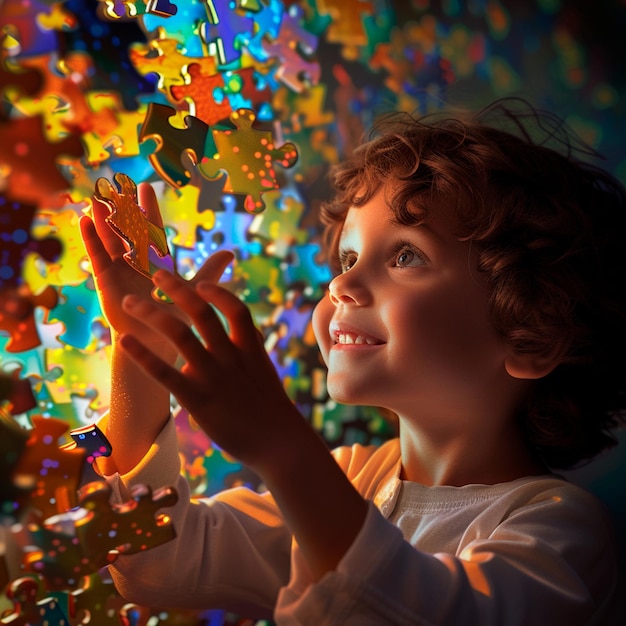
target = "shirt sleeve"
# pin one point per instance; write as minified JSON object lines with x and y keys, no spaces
{"x":230,"y":552}
{"x":544,"y":564}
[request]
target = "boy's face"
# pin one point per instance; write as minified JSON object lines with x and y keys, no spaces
{"x":406,"y":325}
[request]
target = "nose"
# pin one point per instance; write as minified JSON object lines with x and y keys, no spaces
{"x":349,"y":288}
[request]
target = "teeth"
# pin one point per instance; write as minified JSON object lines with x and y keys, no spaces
{"x":350,"y":339}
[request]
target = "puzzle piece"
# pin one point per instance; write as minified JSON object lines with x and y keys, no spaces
{"x":227,"y":27}
{"x":230,"y":232}
{"x":77,"y":309}
{"x":134,"y":526}
{"x":199,"y":92}
{"x":24,"y":143}
{"x":68,"y":268}
{"x":120,"y":9}
{"x":79,"y":373}
{"x":173,"y":142}
{"x":278,"y":225}
{"x":30,"y":609}
{"x":346,"y":26}
{"x":65,"y":547}
{"x":163,"y":56}
{"x":18,"y":243}
{"x":18,"y":19}
{"x":94,"y":443}
{"x":294,"y":46}
{"x":184,"y":26}
{"x":247,"y":154}
{"x":17,"y":315}
{"x":130,"y":223}
{"x":56,"y":471}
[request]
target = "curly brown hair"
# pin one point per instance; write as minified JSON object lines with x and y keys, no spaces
{"x":550,"y":231}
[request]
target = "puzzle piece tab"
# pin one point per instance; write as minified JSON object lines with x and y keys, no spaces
{"x":247,"y":155}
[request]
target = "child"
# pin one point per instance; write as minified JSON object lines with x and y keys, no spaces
{"x":479,"y":297}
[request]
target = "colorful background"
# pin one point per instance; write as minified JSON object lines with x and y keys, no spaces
{"x":93,"y":88}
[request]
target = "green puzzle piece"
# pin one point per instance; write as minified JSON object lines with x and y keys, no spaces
{"x":247,"y":155}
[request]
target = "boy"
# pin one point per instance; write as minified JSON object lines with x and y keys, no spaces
{"x":479,"y":298}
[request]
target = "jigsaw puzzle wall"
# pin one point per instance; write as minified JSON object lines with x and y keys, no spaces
{"x":233,"y":110}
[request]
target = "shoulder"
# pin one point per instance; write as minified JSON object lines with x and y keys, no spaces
{"x":357,"y":458}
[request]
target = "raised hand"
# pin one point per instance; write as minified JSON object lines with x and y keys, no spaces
{"x":115,"y":278}
{"x":228,"y":383}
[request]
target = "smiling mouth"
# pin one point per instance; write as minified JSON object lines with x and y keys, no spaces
{"x":353,"y":339}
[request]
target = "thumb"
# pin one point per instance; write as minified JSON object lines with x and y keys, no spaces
{"x":213,"y":268}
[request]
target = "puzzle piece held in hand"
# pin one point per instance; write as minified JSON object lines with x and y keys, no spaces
{"x":247,"y":155}
{"x":130,"y":222}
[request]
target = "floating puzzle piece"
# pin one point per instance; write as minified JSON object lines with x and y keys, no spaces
{"x":163,"y":56}
{"x":225,"y":31}
{"x":30,"y":607}
{"x":57,"y":472}
{"x":184,"y":26}
{"x":279,"y":223}
{"x":94,"y":443}
{"x":130,"y":222}
{"x":19,"y":19}
{"x":294,"y":46}
{"x":230,"y":232}
{"x":218,"y":466}
{"x":77,"y":309}
{"x":173,"y":142}
{"x":17,"y":242}
{"x":185,"y":210}
{"x":17,"y":315}
{"x":24,"y":144}
{"x":134,"y":526}
{"x":120,"y":9}
{"x":65,"y":547}
{"x":95,"y":602}
{"x":247,"y":155}
{"x":26,"y":82}
{"x":199,"y":92}
{"x":79,"y":373}
{"x":346,"y":26}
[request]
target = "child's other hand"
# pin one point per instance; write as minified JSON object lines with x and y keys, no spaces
{"x":228,"y":382}
{"x":115,"y":278}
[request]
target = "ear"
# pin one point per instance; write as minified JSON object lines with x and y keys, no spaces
{"x":531,"y":366}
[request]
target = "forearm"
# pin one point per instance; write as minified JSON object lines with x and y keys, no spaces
{"x":321,"y":507}
{"x":139,"y":408}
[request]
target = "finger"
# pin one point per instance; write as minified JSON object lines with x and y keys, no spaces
{"x":177,"y":332}
{"x":213,"y":268}
{"x":98,"y":255}
{"x":168,"y":376}
{"x":243,"y":332}
{"x":202,"y":315}
{"x":113,"y":244}
{"x":149,"y":203}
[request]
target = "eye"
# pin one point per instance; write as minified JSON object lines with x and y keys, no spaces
{"x":347,"y":258}
{"x":408,"y":256}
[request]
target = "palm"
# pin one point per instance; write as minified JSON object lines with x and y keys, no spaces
{"x":115,"y":278}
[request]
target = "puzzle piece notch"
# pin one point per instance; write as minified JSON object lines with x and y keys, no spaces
{"x":247,"y":154}
{"x":129,"y":221}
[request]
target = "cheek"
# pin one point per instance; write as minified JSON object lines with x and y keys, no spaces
{"x":322,"y":315}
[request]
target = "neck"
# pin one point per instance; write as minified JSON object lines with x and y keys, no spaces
{"x":485,"y":457}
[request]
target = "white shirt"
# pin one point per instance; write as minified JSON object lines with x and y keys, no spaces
{"x":533,"y":551}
